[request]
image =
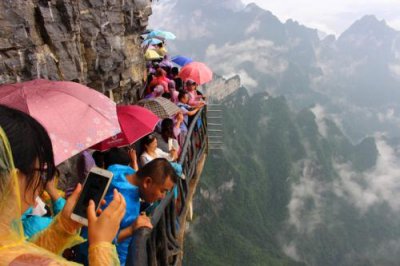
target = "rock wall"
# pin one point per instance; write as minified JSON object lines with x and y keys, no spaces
{"x":93,"y":42}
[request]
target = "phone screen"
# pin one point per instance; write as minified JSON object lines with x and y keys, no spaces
{"x":92,"y":190}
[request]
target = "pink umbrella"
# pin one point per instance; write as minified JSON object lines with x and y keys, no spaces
{"x":75,"y":116}
{"x":135,"y":121}
{"x":196,"y":71}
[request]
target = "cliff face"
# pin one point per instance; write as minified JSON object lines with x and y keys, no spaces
{"x":220,"y":88}
{"x":93,"y":42}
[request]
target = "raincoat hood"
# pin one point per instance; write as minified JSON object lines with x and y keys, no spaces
{"x":14,"y":249}
{"x":11,"y":231}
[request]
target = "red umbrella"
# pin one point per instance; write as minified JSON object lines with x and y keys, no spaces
{"x":135,"y":121}
{"x":75,"y":116}
{"x":196,"y":71}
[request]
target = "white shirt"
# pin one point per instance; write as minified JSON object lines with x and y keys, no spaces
{"x":145,"y":157}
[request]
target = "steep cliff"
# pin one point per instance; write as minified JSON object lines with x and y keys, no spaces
{"x":220,"y":88}
{"x":94,"y":42}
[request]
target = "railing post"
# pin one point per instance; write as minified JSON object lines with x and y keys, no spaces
{"x":138,"y":248}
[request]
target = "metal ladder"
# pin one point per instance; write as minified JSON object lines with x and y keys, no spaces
{"x":215,"y":126}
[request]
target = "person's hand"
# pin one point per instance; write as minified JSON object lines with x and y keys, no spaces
{"x":105,"y":227}
{"x":142,"y":221}
{"x":69,"y":207}
{"x":179,"y":117}
{"x":132,"y":154}
{"x":52,"y":190}
{"x":133,"y":157}
{"x":174,"y":154}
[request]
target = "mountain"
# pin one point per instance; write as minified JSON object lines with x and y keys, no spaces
{"x":289,"y":188}
{"x":356,"y":76}
{"x":309,"y":170}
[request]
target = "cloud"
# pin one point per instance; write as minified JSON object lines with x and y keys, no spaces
{"x":395,"y":69}
{"x":254,"y":27}
{"x":263,"y":55}
{"x":380,"y":185}
{"x":320,"y":116}
{"x":164,"y":14}
{"x":316,"y":201}
{"x":307,"y":192}
{"x":332,"y":16}
{"x":291,"y":251}
{"x":216,"y":194}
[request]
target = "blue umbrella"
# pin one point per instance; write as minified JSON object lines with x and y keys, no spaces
{"x":151,"y":41}
{"x":181,"y":60}
{"x":160,"y":34}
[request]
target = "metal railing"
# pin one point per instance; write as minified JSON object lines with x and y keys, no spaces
{"x":160,"y":246}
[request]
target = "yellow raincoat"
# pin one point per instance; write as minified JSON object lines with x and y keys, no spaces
{"x":45,"y":247}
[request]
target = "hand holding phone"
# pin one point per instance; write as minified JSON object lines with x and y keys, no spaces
{"x":94,"y":188}
{"x":105,"y":227}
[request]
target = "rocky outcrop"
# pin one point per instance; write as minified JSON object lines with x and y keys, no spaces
{"x":219,"y":88}
{"x":93,"y":42}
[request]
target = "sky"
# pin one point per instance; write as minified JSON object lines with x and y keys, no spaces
{"x":332,"y":16}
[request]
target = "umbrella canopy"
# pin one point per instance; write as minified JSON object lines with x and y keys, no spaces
{"x":152,"y":55}
{"x":135,"y":121}
{"x":161,"y":34}
{"x":181,"y":60}
{"x":196,"y":71}
{"x":166,"y":63}
{"x":151,"y":41}
{"x":75,"y":116}
{"x":160,"y":106}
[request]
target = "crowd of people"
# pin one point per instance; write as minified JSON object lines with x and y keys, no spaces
{"x":143,"y":174}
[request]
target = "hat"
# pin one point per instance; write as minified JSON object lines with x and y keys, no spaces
{"x":189,"y":82}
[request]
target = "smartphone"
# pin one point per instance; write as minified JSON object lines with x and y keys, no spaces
{"x":94,"y":188}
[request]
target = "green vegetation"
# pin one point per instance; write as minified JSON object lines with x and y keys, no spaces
{"x":266,"y":149}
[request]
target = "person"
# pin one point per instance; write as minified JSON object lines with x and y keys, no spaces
{"x":160,"y":78}
{"x":26,"y":166}
{"x":157,"y":91}
{"x":36,"y":219}
{"x":177,"y":79}
{"x":160,"y":49}
{"x":167,"y":140}
{"x":195,"y":99}
{"x":151,"y":151}
{"x":187,"y":110}
{"x":149,"y":184}
{"x":174,"y":93}
{"x":74,"y":171}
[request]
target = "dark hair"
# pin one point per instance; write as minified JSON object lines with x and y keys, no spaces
{"x":166,"y":95}
{"x":29,"y":142}
{"x":158,"y":169}
{"x":174,"y":71}
{"x":182,"y":94}
{"x":167,"y":129}
{"x":160,"y":72}
{"x":116,"y":156}
{"x":146,"y":140}
{"x":98,"y":158}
